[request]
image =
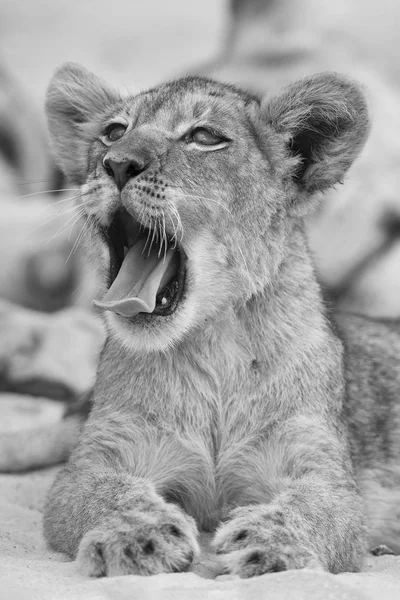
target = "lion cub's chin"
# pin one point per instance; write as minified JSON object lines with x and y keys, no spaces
{"x":146,"y":333}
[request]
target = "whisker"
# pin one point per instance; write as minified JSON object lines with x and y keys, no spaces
{"x":59,"y":213}
{"x":219,"y":204}
{"x":152,"y":239}
{"x":195,"y":197}
{"x":244,"y":260}
{"x":64,"y":200}
{"x":160,"y":235}
{"x":48,"y":192}
{"x":52,"y":218}
{"x":141,"y":217}
{"x":174,"y":226}
{"x":179,"y":226}
{"x":157,"y":228}
{"x":148,"y":235}
{"x":29,"y":181}
{"x":86,"y":226}
{"x":81,"y":194}
{"x":76,"y":243}
{"x":67,"y":226}
{"x":66,"y":211}
{"x":185,"y":194}
{"x":164,"y":236}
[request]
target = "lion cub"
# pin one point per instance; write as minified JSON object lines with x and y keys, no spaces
{"x":220,"y":399}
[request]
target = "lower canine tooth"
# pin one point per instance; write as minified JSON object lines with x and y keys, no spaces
{"x":163,"y":301}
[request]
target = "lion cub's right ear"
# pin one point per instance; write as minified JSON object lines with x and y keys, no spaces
{"x":324,"y":121}
{"x":75,"y":99}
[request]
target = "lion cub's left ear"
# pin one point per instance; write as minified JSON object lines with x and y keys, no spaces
{"x":75,"y":100}
{"x":324,"y":119}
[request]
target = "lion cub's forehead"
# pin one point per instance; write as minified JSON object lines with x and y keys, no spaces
{"x":192,"y":99}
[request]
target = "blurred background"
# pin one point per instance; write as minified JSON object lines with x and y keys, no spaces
{"x":128,"y":42}
{"x":47,"y":331}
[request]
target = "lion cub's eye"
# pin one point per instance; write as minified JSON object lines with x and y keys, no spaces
{"x":205,"y":137}
{"x":114,"y":132}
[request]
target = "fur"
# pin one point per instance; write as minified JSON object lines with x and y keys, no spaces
{"x":232,"y":413}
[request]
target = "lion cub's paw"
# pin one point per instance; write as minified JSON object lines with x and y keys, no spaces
{"x":161,"y":540}
{"x":257,"y":541}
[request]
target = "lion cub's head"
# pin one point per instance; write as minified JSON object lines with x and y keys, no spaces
{"x":192,"y":189}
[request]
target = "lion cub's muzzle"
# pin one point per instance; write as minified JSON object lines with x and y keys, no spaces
{"x":147,"y":269}
{"x":124,"y":170}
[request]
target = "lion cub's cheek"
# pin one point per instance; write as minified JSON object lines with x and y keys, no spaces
{"x":212,"y":276}
{"x":100,"y":199}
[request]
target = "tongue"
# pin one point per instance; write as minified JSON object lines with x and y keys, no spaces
{"x":140,"y":277}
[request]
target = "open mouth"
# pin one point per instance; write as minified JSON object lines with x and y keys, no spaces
{"x":147,"y":269}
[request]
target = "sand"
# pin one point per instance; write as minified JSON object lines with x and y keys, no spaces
{"x":28,"y":569}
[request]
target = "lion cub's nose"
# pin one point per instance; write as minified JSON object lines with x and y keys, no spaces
{"x":123,"y":170}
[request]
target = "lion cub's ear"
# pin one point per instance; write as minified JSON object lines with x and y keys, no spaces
{"x":324,"y":119}
{"x":75,"y":99}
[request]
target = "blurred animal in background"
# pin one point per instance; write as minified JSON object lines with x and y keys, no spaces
{"x":355,"y":235}
{"x":47,"y":371}
{"x":40,"y":267}
{"x":47,"y":361}
{"x":25,"y":164}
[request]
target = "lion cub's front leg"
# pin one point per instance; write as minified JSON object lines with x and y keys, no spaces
{"x":314,"y":517}
{"x":113,"y":521}
{"x":152,"y":537}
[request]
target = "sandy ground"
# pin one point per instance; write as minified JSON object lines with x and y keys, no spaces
{"x":30,"y":571}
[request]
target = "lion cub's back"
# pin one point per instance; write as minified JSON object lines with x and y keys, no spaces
{"x":372,"y":351}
